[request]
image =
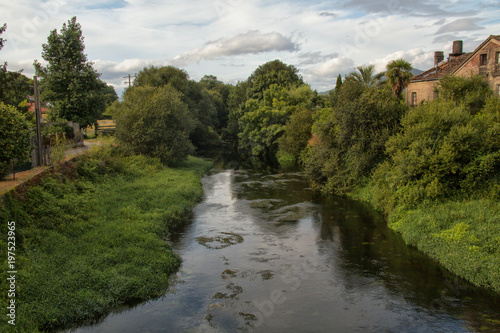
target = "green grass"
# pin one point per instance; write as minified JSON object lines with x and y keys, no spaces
{"x":92,"y":236}
{"x":463,"y":235}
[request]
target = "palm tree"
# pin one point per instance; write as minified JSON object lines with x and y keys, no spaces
{"x":366,"y":75}
{"x":398,"y":75}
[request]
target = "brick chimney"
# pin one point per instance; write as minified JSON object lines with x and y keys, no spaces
{"x":438,"y":57}
{"x":457,"y":48}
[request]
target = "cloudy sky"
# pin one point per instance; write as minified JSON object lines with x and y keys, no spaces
{"x":231,"y":38}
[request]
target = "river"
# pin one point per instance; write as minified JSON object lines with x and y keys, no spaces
{"x":263,"y":253}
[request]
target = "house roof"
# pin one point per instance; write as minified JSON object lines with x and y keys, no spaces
{"x":32,"y":108}
{"x":444,"y":68}
{"x":452,"y":65}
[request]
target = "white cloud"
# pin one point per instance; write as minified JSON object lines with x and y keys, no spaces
{"x":252,"y":42}
{"x":465,"y":24}
{"x":236,"y":36}
{"x":418,"y":58}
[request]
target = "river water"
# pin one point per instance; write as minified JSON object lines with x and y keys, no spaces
{"x":263,"y":253}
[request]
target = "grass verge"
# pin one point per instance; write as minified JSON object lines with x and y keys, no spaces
{"x":462,"y":235}
{"x":91,"y":236}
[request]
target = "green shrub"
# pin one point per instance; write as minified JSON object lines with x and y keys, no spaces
{"x":15,"y":136}
{"x":443,"y":151}
{"x":154,"y":122}
{"x":352,"y":136}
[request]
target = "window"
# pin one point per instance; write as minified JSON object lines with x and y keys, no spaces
{"x":483,"y":59}
{"x":414,"y":98}
{"x":497,"y":58}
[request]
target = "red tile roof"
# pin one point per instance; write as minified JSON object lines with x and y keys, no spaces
{"x":443,"y":68}
{"x":450,"y":66}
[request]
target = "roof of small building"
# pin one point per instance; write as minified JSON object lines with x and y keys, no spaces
{"x":451,"y":65}
{"x":444,"y":68}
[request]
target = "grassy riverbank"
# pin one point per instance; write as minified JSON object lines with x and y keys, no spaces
{"x":462,"y":235}
{"x":91,"y":236}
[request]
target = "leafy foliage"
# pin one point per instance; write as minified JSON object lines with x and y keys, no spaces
{"x":265,"y":122}
{"x":260,"y":107}
{"x":205,"y":100}
{"x":351,"y":137}
{"x":154,"y":122}
{"x":69,"y":81}
{"x":15,"y":137}
{"x":472,"y":91}
{"x":366,"y":76}
{"x":443,"y":151}
{"x":14,"y":86}
{"x":273,"y":72}
{"x":398,"y":75}
{"x":91,"y":236}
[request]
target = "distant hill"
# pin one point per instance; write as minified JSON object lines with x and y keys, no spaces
{"x":416,"y":72}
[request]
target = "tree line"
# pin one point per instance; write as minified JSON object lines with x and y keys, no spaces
{"x":68,"y":84}
{"x":272,"y":119}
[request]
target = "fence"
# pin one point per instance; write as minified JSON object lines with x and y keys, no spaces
{"x":45,"y":150}
{"x":105,"y":126}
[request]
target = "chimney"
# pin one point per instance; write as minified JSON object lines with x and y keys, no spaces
{"x":438,"y":57}
{"x":457,"y":48}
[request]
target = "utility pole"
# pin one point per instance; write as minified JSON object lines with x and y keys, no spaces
{"x":129,"y":79}
{"x":38,"y":117}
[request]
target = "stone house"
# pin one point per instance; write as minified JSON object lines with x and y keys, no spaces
{"x":484,"y":60}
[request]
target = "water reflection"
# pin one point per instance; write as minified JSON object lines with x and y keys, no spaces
{"x":265,"y":254}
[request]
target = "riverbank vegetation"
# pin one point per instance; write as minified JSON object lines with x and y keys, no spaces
{"x":91,"y":235}
{"x":432,"y":169}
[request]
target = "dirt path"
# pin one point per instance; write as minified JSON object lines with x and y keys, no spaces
{"x":21,"y":177}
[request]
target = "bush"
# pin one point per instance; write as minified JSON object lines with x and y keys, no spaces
{"x":154,"y":122}
{"x":352,"y":136}
{"x":15,"y":137}
{"x":472,"y":91}
{"x":443,"y":151}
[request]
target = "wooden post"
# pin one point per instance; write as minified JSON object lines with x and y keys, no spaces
{"x":38,"y":117}
{"x":14,"y":168}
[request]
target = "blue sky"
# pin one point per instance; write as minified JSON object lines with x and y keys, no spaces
{"x":230,"y":38}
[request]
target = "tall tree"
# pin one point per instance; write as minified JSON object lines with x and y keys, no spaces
{"x":366,"y":75}
{"x":3,"y":68}
{"x":398,"y":75}
{"x":273,"y":72}
{"x":338,"y":85}
{"x":69,"y":81}
{"x":198,"y":100}
{"x":14,"y":86}
{"x":2,"y":41}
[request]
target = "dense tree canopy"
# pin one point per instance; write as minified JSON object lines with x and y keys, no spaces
{"x":69,"y":81}
{"x":445,"y":149}
{"x":205,"y":104}
{"x":351,"y":136}
{"x":260,"y":107}
{"x":472,"y":91}
{"x":14,"y":86}
{"x":156,"y":122}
